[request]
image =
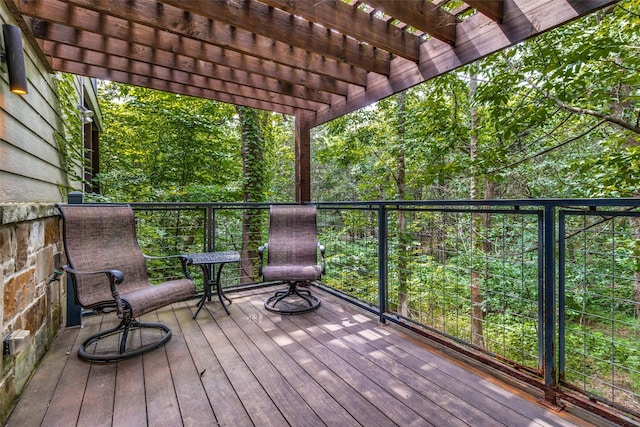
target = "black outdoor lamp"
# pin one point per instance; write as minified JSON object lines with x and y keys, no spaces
{"x":14,"y":57}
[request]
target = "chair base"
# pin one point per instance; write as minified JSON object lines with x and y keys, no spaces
{"x":97,"y":355}
{"x":292,"y":301}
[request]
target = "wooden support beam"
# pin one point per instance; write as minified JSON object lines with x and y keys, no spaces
{"x":149,"y":45}
{"x":303,"y":157}
{"x":157,"y":72}
{"x":82,"y":69}
{"x":493,"y":9}
{"x":62,"y":42}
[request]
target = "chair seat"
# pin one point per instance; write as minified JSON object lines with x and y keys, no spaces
{"x":149,"y":298}
{"x":292,"y":272}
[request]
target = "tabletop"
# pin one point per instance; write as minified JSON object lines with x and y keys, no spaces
{"x":214,"y":257}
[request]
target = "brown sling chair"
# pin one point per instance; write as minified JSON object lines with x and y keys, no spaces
{"x":108,"y":272}
{"x":292,"y":257}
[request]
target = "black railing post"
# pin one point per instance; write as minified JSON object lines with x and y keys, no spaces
{"x":210,"y":229}
{"x":383,"y":261}
{"x":541,"y":277}
{"x":561,"y":292}
{"x":549,"y":302}
{"x":74,"y":311}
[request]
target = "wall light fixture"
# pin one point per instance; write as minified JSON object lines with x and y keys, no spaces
{"x":14,"y":57}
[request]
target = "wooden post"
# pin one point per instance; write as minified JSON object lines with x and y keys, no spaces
{"x":303,"y":157}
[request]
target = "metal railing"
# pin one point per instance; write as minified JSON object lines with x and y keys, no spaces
{"x":545,"y":290}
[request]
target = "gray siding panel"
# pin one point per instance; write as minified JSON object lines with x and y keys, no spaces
{"x":31,"y":169}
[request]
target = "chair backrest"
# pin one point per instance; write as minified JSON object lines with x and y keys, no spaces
{"x":293,"y":235}
{"x":102,"y":238}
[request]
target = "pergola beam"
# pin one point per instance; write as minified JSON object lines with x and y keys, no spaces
{"x":492,"y":9}
{"x":173,"y":75}
{"x":174,"y":50}
{"x":113,"y":18}
{"x":303,"y":157}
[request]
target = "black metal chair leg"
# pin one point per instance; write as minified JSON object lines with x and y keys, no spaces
{"x":124,"y":327}
{"x":312,"y":301}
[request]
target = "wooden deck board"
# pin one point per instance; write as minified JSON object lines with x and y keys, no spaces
{"x":226,"y":405}
{"x":162,"y":402}
{"x":288,"y":401}
{"x":334,"y":366}
{"x":300,"y":378}
{"x":408,"y":402}
{"x":66,"y":402}
{"x":257,"y":403}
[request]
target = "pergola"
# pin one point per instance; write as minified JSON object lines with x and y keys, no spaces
{"x":313,"y":59}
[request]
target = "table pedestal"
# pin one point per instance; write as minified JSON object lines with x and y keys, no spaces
{"x":207,"y":262}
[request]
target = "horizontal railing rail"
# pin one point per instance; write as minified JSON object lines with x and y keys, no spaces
{"x":545,"y":290}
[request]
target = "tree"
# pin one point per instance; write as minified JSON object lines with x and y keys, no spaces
{"x":254,"y":186}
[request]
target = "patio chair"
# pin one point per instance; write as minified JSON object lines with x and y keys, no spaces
{"x":292,"y":257}
{"x":109,"y":274}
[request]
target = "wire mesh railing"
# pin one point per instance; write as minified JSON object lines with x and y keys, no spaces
{"x":550,"y":288}
{"x":599,"y":303}
{"x":471,"y":274}
{"x":172,"y":229}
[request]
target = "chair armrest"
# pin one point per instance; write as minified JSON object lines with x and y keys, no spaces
{"x":324,"y":264}
{"x":261,"y":250}
{"x":115,"y":278}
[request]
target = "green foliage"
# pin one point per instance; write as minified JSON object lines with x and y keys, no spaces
{"x":167,"y":147}
{"x":69,"y":139}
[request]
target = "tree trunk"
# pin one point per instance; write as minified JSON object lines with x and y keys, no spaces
{"x":477,"y":333}
{"x":635,"y":233}
{"x":254,"y":184}
{"x":403,"y":238}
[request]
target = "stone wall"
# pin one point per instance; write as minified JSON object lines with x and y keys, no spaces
{"x":31,"y":296}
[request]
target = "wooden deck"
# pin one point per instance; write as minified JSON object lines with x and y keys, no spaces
{"x":336,"y":366}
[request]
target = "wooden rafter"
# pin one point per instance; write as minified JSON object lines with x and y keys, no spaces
{"x":175,"y":75}
{"x":117,"y":19}
{"x":421,"y":14}
{"x":493,"y":9}
{"x":478,"y":36}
